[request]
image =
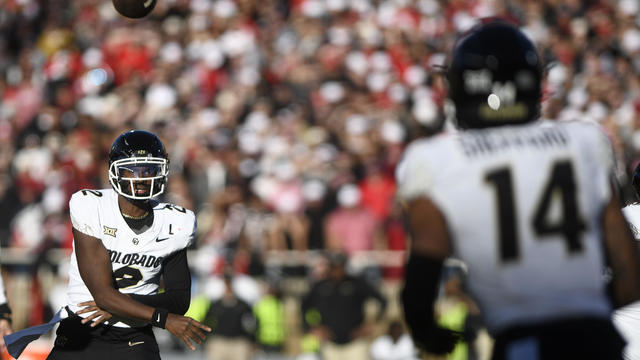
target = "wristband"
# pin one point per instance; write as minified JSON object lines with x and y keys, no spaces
{"x":159,"y":318}
{"x":5,"y":312}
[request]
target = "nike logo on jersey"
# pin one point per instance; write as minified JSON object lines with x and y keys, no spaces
{"x":135,"y":343}
{"x":158,"y":239}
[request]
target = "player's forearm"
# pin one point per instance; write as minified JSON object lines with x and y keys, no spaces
{"x":176,"y":301}
{"x":623,"y":256}
{"x":625,"y":273}
{"x":94,"y":265}
{"x":116,"y":303}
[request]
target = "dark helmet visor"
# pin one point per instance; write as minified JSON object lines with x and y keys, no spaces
{"x":140,"y":170}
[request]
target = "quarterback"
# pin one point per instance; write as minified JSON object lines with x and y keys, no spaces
{"x":124,"y":242}
{"x":530,"y":209}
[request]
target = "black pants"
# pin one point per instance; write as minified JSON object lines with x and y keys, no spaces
{"x":75,"y":340}
{"x":584,"y":339}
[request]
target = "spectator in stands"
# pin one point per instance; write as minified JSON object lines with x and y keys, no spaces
{"x":271,"y":326}
{"x":233,"y":325}
{"x":378,"y":190}
{"x":351,"y":227}
{"x":316,"y":211}
{"x":458,"y":312}
{"x":354,"y":229}
{"x":334,"y":310}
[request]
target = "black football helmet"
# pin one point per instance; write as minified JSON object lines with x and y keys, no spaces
{"x":138,"y":165}
{"x":495,"y":76}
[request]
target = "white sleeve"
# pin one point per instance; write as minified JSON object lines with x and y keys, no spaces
{"x":632,"y":215}
{"x":84,"y":215}
{"x":192,"y":235}
{"x":412,"y":175}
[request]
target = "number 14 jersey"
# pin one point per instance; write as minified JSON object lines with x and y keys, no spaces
{"x":136,"y":259}
{"x":523,"y":205}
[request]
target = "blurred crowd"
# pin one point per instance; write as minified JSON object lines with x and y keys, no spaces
{"x":283,"y":119}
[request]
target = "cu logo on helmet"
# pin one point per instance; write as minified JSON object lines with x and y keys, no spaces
{"x":480,"y":82}
{"x":502,"y":94}
{"x":477,"y":81}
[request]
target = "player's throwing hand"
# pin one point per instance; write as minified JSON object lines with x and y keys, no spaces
{"x":186,"y":329}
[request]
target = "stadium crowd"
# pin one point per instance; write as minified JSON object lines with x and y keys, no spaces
{"x":284,"y":119}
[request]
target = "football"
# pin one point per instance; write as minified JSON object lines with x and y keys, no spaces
{"x":134,"y":9}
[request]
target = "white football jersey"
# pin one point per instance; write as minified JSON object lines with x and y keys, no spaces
{"x":627,"y":319}
{"x":136,"y":259}
{"x":523,"y":206}
{"x":632,"y":214}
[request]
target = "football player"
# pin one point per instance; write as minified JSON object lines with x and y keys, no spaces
{"x":124,"y":242}
{"x":627,"y":319}
{"x":531,"y":209}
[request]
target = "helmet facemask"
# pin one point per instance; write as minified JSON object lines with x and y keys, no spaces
{"x":139,"y":178}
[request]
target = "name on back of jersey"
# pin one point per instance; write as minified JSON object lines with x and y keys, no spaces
{"x":488,"y":143}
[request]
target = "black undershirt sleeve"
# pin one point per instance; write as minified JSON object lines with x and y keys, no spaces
{"x":422,"y":278}
{"x":177,"y":286}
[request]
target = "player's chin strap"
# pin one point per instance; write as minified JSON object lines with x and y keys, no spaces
{"x":18,"y":341}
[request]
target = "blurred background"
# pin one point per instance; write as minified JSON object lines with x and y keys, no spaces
{"x":284,"y":121}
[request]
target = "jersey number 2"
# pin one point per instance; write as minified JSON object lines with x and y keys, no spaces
{"x":127,"y":276}
{"x":561,"y":187}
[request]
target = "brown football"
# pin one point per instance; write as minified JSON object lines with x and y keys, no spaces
{"x":134,"y":9}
